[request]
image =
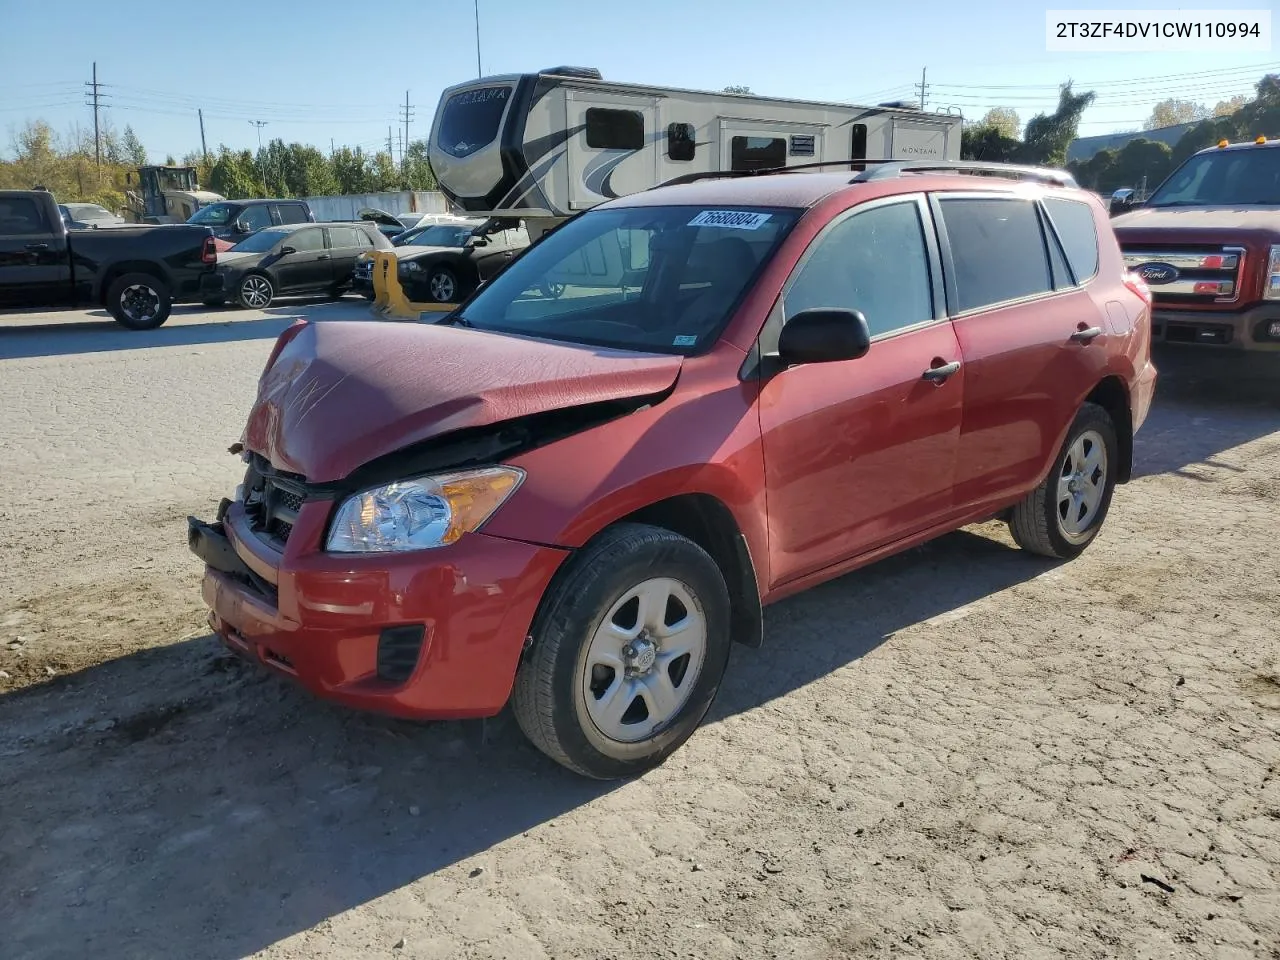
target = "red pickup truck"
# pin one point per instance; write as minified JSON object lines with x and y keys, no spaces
{"x":1207,"y":243}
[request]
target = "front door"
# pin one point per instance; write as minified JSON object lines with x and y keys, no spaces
{"x":613,"y":148}
{"x":861,"y":453}
{"x":35,"y":268}
{"x":766,"y":144}
{"x":308,"y":267}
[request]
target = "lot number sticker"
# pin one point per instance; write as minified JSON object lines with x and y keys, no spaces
{"x":730,"y":219}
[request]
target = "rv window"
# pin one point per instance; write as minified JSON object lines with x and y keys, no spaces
{"x":757,"y":153}
{"x":680,"y":144}
{"x":615,"y":129}
{"x":471,"y":119}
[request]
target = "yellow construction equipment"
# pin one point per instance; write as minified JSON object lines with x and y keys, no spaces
{"x":389,"y":299}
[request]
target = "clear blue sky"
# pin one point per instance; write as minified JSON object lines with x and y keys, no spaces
{"x":338,"y":69}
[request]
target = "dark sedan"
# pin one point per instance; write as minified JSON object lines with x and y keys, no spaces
{"x":449,"y":272}
{"x":291,"y":259}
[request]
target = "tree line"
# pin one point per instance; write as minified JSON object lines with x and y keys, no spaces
{"x":67,"y":165}
{"x":996,"y":136}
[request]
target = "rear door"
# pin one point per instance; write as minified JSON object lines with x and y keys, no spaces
{"x":765,"y":144}
{"x":1016,"y":308}
{"x":613,"y":148}
{"x":35,"y":265}
{"x":862,"y":453}
{"x":307,"y":268}
{"x":345,"y":244}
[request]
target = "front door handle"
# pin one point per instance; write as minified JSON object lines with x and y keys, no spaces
{"x":940,"y":373}
{"x":323,"y":256}
{"x":37,"y":246}
{"x":1086,"y":334}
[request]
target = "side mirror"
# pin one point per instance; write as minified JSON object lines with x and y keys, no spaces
{"x":242,"y":227}
{"x":285,"y":251}
{"x":478,"y":242}
{"x":824,"y":335}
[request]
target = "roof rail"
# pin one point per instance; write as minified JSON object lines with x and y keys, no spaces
{"x":1012,"y":171}
{"x":765,"y":171}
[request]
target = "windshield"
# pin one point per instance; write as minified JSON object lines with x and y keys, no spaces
{"x":1227,"y":177}
{"x":89,"y":211}
{"x":259,"y":242}
{"x":216,"y":214}
{"x":657,"y":279}
{"x":437,"y":235}
{"x":470,"y":119}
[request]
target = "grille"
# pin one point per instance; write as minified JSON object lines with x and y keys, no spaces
{"x":272,"y":499}
{"x":1188,"y":275}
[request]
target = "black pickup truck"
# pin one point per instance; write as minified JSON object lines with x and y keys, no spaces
{"x":137,"y":273}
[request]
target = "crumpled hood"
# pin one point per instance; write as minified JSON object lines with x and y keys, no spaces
{"x":1204,"y":221}
{"x":343,"y":393}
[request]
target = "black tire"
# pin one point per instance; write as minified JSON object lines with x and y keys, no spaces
{"x":367,"y":295}
{"x":551,"y":687}
{"x":139,"y":301}
{"x":214,"y":302}
{"x":252,"y":288}
{"x":443,"y":286}
{"x":1042,"y":522}
{"x":337,"y":291}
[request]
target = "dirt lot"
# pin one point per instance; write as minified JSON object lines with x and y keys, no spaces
{"x":962,"y":752}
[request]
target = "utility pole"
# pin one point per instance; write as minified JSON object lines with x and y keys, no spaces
{"x":204,"y":149}
{"x":390,"y":150}
{"x":922,"y":86}
{"x":95,"y":91}
{"x":478,"y":72}
{"x":404,"y":144}
{"x":331,"y":150}
{"x":261,"y":163}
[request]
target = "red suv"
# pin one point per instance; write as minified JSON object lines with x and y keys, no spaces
{"x":739,"y":388}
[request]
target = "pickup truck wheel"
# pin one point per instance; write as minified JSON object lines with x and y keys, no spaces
{"x":255,"y":292}
{"x":1063,"y":515}
{"x":629,"y":648}
{"x":139,"y":301}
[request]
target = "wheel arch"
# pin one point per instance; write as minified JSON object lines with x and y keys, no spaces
{"x":1112,"y":396}
{"x":117,"y":270}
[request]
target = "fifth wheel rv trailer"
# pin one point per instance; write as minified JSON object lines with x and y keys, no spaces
{"x":544,"y":146}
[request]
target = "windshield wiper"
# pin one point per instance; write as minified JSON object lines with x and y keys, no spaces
{"x":456,"y":320}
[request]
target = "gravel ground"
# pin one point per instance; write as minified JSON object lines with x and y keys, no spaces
{"x":960,"y":752}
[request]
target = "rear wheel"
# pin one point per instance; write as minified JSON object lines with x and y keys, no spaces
{"x":255,"y":292}
{"x":628,"y":652}
{"x":1063,"y":515}
{"x":139,"y":301}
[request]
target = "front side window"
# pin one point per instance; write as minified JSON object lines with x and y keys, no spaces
{"x":20,"y":216}
{"x":306,"y":241}
{"x":614,"y":129}
{"x":757,"y":153}
{"x":875,"y":261}
{"x":655,"y":279}
{"x":998,"y":249}
{"x":470,"y":120}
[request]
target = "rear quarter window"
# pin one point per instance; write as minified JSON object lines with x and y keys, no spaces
{"x":1078,"y":232}
{"x":20,"y":216}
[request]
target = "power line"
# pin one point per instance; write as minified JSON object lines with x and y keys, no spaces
{"x":1242,"y":71}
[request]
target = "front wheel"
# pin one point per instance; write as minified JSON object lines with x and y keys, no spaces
{"x":139,"y":301}
{"x":629,"y":648}
{"x":255,"y":292}
{"x":1063,"y":515}
{"x":443,"y":286}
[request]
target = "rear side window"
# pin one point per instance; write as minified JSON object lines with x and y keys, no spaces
{"x":343,"y":237}
{"x":1076,"y":228}
{"x":757,"y":153}
{"x":292,"y":213}
{"x":680,"y":143}
{"x":308,"y":240}
{"x":20,"y":216}
{"x":614,"y":129}
{"x":875,"y":261}
{"x":998,"y":250}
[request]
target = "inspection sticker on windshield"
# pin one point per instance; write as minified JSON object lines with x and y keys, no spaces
{"x":730,"y":219}
{"x":684,"y":340}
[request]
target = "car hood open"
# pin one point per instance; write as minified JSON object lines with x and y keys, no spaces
{"x":343,"y":393}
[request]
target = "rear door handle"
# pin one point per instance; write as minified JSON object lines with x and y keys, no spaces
{"x":37,"y":246}
{"x":941,"y":373}
{"x":1086,"y":335}
{"x":323,"y":256}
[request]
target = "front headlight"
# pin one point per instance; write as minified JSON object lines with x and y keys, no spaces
{"x":410,"y":266}
{"x":1271,"y":282}
{"x":420,"y":514}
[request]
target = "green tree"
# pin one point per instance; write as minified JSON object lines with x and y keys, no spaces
{"x":417,"y":169}
{"x":383,"y":174}
{"x":1003,"y":119}
{"x":351,"y":170}
{"x":1171,"y":113}
{"x":169,"y":161}
{"x":978,"y":142}
{"x":134,"y":152}
{"x":234,"y":174}
{"x":1048,"y":135}
{"x":1226,"y":108}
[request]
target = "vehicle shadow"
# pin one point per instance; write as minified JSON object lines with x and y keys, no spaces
{"x":224,"y":810}
{"x":222,"y":325}
{"x":1205,"y":404}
